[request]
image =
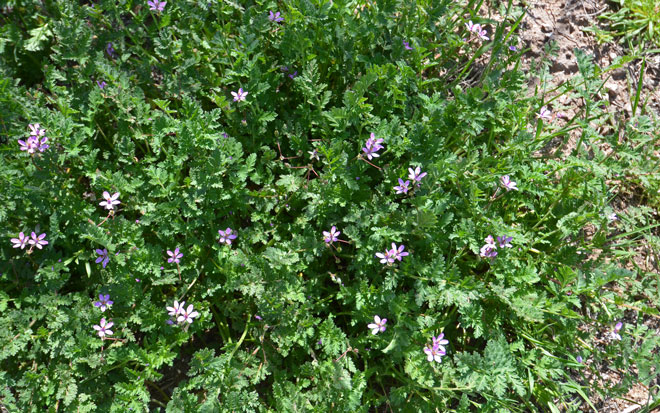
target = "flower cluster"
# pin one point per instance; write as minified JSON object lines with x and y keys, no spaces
{"x":182,"y":314}
{"x":372,"y":146}
{"x":396,"y":253}
{"x":477,"y":30}
{"x":489,"y":250}
{"x":414,"y":175}
{"x":36,"y":141}
{"x":437,"y":349}
{"x":34,"y":240}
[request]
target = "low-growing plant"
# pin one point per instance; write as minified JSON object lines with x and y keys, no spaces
{"x":309,"y":206}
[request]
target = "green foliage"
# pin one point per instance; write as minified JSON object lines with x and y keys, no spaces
{"x":283,"y":316}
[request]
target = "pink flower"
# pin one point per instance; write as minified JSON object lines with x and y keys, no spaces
{"x":416,"y":174}
{"x":508,"y":184}
{"x":186,"y":316}
{"x":378,"y":326}
{"x":386,"y":257}
{"x":330,"y":237}
{"x":38,"y":241}
{"x":397,"y":252}
{"x":174,"y":256}
{"x":240,"y":95}
{"x":544,"y":114}
{"x":434,"y":353}
{"x":226,"y":236}
{"x":104,"y":328}
{"x":110,"y":201}
{"x":176,"y":309}
{"x":20,"y":242}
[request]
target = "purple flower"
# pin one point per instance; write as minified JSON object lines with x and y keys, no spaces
{"x":110,"y":201}
{"x":612,"y":217}
{"x":386,"y":258}
{"x":544,"y":114}
{"x":103,"y":256}
{"x":176,"y":309}
{"x":476,"y":29}
{"x":104,"y":302}
{"x":440,"y":342}
{"x":187,"y":315}
{"x":402,"y":188}
{"x":416,"y":174}
{"x":508,"y":184}
{"x":406,"y":45}
{"x":372,"y":146}
{"x":578,"y":359}
{"x":155,"y":5}
{"x":505,"y":241}
{"x":39,"y":241}
{"x":398,"y":253}
{"x":378,"y":326}
{"x":101,"y":84}
{"x":36,"y":129}
{"x":226,"y":236}
{"x":513,"y":48}
{"x":489,"y":250}
{"x":174,"y":256}
{"x":330,"y":237}
{"x":104,"y":328}
{"x":42,"y":144}
{"x":21,"y":241}
{"x":294,"y":74}
{"x":240,"y":95}
{"x":275,"y":17}
{"x":614,"y":335}
{"x":618,"y":326}
{"x":32,"y":144}
{"x":313,"y":154}
{"x":434,"y":353}
{"x":258,"y":317}
{"x":110,"y":50}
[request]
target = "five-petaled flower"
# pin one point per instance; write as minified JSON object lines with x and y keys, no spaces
{"x":239,"y":95}
{"x":21,"y":241}
{"x":103,"y":256}
{"x":508,"y":184}
{"x":226,"y":236}
{"x":434,"y":353}
{"x":476,"y":29}
{"x":38,"y":241}
{"x":372,"y":146}
{"x":489,"y":250}
{"x":174,"y":256}
{"x":104,"y":302}
{"x":176,"y":309}
{"x":505,"y":241}
{"x":386,"y":257}
{"x":544,"y":113}
{"x":440,"y":342}
{"x":398,"y":252}
{"x":403,"y":187}
{"x":275,"y":17}
{"x":187,"y":315}
{"x":36,"y":129}
{"x":314,"y":154}
{"x":104,"y":328}
{"x":110,"y":201}
{"x":330,"y":237}
{"x":416,"y":174}
{"x":156,"y":5}
{"x":378,"y":326}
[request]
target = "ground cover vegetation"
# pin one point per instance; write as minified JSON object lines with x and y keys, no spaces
{"x":313,"y":206}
